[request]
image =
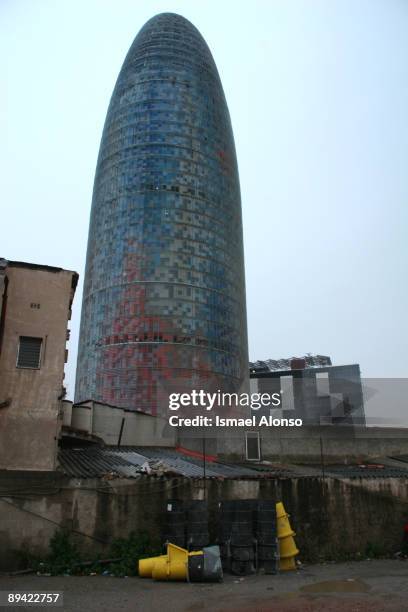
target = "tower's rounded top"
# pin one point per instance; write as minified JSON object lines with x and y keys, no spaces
{"x":169,"y":41}
{"x":169,"y":19}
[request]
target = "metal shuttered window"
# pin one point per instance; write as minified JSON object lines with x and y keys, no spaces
{"x":253,"y":446}
{"x":29,"y":352}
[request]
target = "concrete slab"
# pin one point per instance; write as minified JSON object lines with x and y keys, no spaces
{"x":366,"y":586}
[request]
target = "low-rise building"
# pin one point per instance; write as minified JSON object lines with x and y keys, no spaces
{"x":312,"y":389}
{"x":35,"y":306}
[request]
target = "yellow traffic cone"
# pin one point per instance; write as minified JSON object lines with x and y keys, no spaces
{"x":146,"y":566}
{"x":172,"y":566}
{"x":287,"y":546}
{"x":283,"y":525}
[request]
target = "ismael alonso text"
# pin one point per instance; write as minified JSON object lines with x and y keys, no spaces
{"x":210,"y":401}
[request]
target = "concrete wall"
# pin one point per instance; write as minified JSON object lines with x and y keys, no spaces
{"x":105,"y":421}
{"x":337,"y":443}
{"x":81,"y":417}
{"x":29,"y":425}
{"x":66,"y":412}
{"x":333,"y":519}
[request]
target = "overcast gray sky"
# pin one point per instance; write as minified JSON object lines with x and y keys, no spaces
{"x":318,"y":96}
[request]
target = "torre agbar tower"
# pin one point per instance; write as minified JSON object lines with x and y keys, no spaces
{"x":163,"y":308}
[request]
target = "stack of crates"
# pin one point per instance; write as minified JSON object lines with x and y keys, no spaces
{"x":247,"y":532}
{"x":197,"y":536}
{"x":236,"y":537}
{"x":226,"y":519}
{"x":266,"y":537}
{"x":186,"y":524}
{"x":242,"y":539}
{"x":174,"y":527}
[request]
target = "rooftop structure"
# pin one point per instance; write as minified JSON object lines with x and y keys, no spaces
{"x":273,"y":365}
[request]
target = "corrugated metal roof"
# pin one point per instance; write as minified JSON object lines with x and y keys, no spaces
{"x":93,"y":462}
{"x":194,"y":466}
{"x":365,"y":471}
{"x":402,"y":458}
{"x":128,"y":461}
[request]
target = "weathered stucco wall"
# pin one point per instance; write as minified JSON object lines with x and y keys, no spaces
{"x":333,"y":519}
{"x":38,"y":306}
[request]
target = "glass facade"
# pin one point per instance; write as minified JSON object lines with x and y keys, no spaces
{"x":164,"y":293}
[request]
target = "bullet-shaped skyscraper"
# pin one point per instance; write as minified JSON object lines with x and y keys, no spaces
{"x":164,"y":293}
